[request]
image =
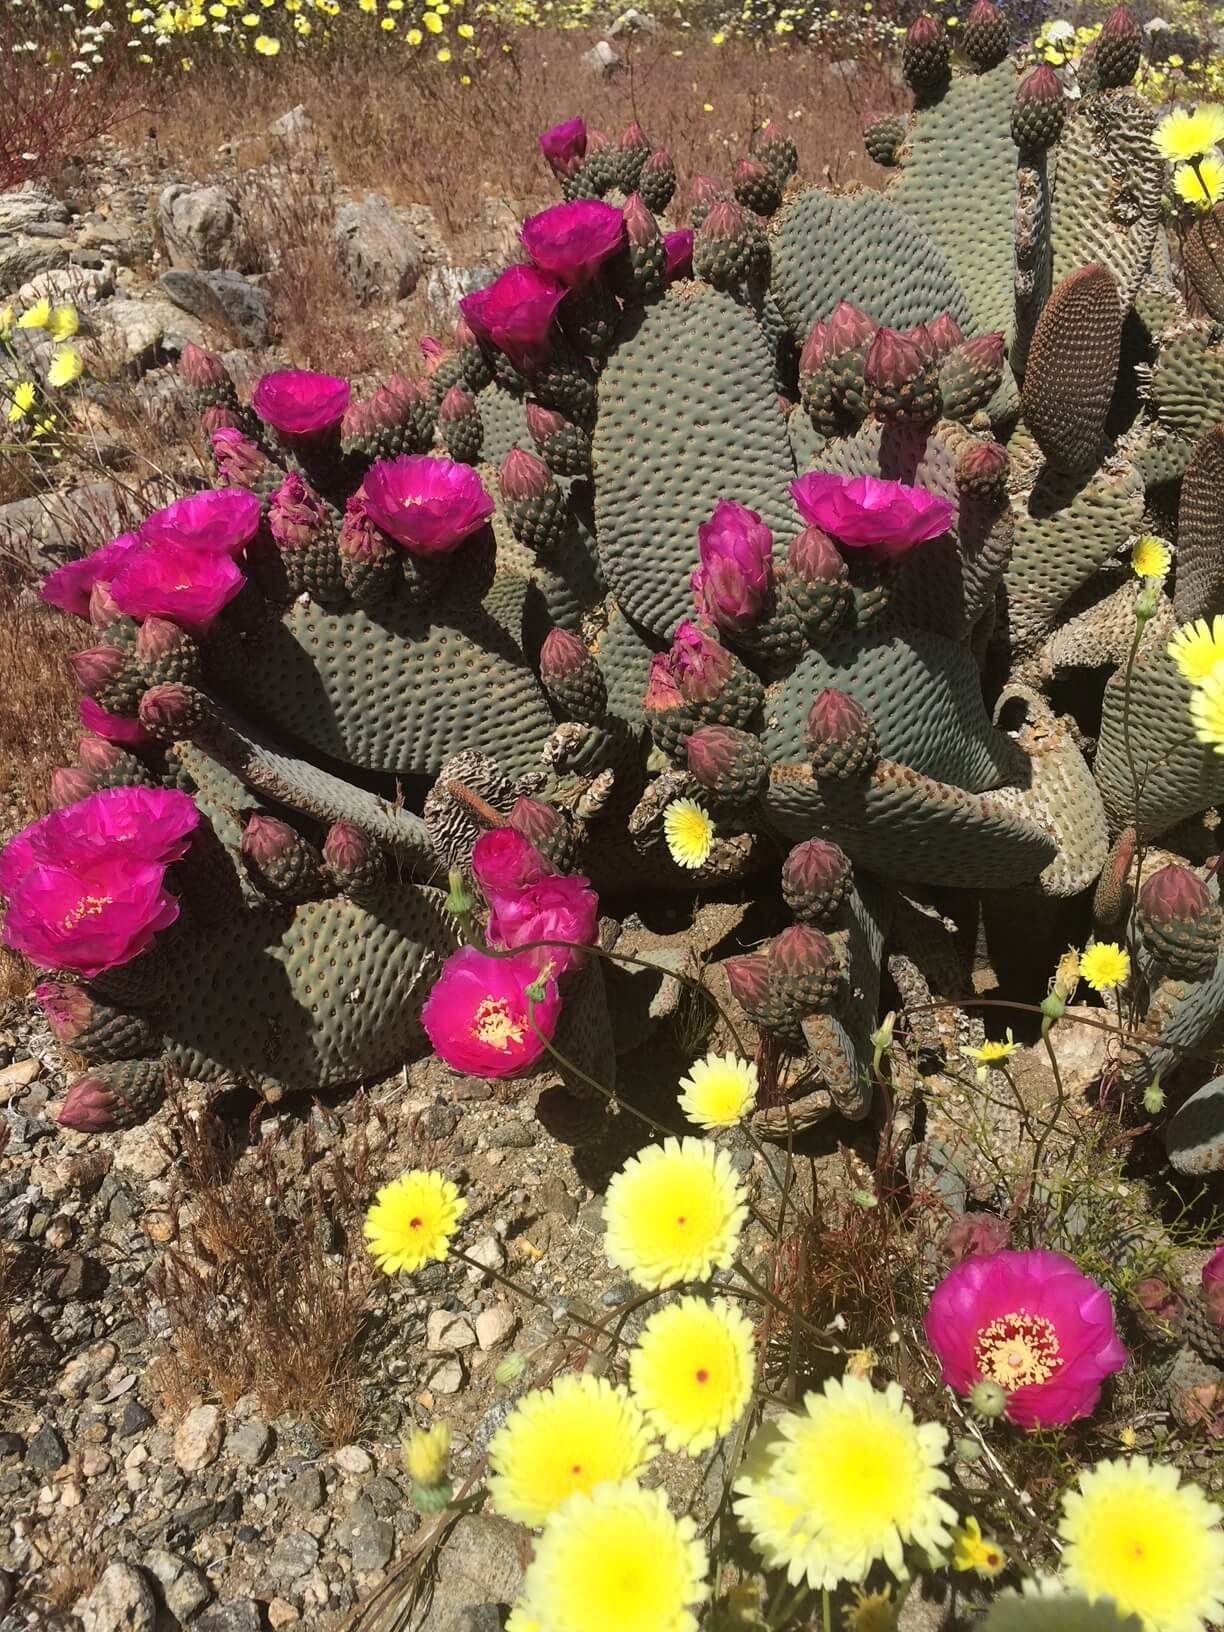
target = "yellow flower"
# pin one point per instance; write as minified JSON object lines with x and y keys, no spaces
{"x":860,"y":1480}
{"x":1207,"y":711}
{"x":718,"y":39}
{"x":37,"y":316}
{"x":387,"y":25}
{"x":1188,"y":133}
{"x":973,"y":1551}
{"x":66,"y":366}
{"x":465,"y":31}
{"x":719,"y":1091}
{"x":674,"y":1213}
{"x":1137,"y":1535}
{"x":562,"y":1441}
{"x":444,"y":54}
{"x":63,"y":323}
{"x":266,"y":45}
{"x":6,"y":323}
{"x":1200,"y":185}
{"x":689,"y":832}
{"x":414,"y":36}
{"x":614,"y":1560}
{"x":368,"y":5}
{"x":250,"y":20}
{"x":871,"y":1612}
{"x":991,"y":1054}
{"x":1105,"y":965}
{"x":22,"y":401}
{"x":426,"y":1454}
{"x":692,"y":1372}
{"x":412,"y":1221}
{"x":432,"y":22}
{"x":1151,"y":558}
{"x":707,"y":107}
{"x":1198,"y":648}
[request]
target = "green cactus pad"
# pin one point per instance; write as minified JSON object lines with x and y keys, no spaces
{"x":862,"y":248}
{"x":687,"y":416}
{"x":1199,"y":591}
{"x":624,"y":653}
{"x":910,"y":828}
{"x":569,"y":578}
{"x":958,"y":184}
{"x":401,"y":691}
{"x":1178,"y":776}
{"x":1107,"y":184}
{"x":504,"y":417}
{"x":1187,"y":380}
{"x":922,"y":693}
{"x":1194,"y":1137}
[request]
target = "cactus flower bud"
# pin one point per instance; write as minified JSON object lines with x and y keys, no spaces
{"x":988,"y":1399}
{"x":657,"y":182}
{"x":170,"y":712}
{"x":982,"y":467}
{"x":815,"y":351}
{"x":731,"y":764}
{"x":561,"y":656}
{"x":679,"y":246}
{"x":924,"y":55}
{"x":641,"y":228}
{"x":704,"y":192}
{"x":1158,"y":1301}
{"x":799,"y":951}
{"x":295,"y":513}
{"x":700,"y":666}
{"x":975,"y":1235}
{"x":725,"y":220}
{"x":1119,"y":49}
{"x":159,"y":638}
{"x":458,"y":404}
{"x":237,"y":458}
{"x":816,"y":879}
{"x":634,"y":137}
{"x":524,"y":476}
{"x":203,"y":370}
{"x":1180,"y":921}
{"x":99,"y":756}
{"x":217,"y":419}
{"x":945,"y":331}
{"x":985,"y":35}
{"x":662,"y":692}
{"x":89,"y":1106}
{"x":849,"y":328}
{"x":748,"y":978}
{"x":267,"y":840}
{"x":97,"y":667}
{"x":1175,"y":892}
{"x":69,"y":783}
{"x":813,"y":558}
{"x":103,"y":607}
{"x":346,"y":849}
{"x":68,"y":1010}
{"x":834,"y":717}
{"x":893,"y":360}
{"x":1039,"y":110}
{"x":734,"y":583}
{"x":544,"y":423}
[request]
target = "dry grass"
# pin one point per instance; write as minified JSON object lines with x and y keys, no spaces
{"x":268,"y":1288}
{"x":418,"y":137}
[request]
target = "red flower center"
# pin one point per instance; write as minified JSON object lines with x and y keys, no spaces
{"x":1017,"y":1350}
{"x":703,"y":1376}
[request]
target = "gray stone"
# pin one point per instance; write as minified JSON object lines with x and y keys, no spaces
{"x":369,"y":1540}
{"x":76,"y":285}
{"x":184,"y":1588}
{"x":482,"y":1562}
{"x":198,"y":1438}
{"x":250,"y":1443}
{"x":307,"y":1492}
{"x":495,"y":1325}
{"x":224,"y":299}
{"x":354,"y":1460}
{"x":135,"y":1420}
{"x":239,"y":1615}
{"x":293,"y":126}
{"x":86,"y":1369}
{"x":122,"y":1601}
{"x":445,"y":286}
{"x":511,"y":1136}
{"x":294,"y":1556}
{"x":46,"y":1451}
{"x":21,"y":261}
{"x":380,"y":247}
{"x":445,"y":1332}
{"x":480,"y":1618}
{"x":201,"y":227}
{"x":28,"y":206}
{"x":141,"y":331}
{"x":633,"y":21}
{"x":604,"y":60}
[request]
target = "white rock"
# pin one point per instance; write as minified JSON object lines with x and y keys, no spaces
{"x":353,"y":1460}
{"x":197,"y":1439}
{"x":445,"y":1332}
{"x":495,"y":1325}
{"x":122,"y":1601}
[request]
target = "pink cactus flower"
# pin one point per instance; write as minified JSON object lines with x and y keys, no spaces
{"x":572,"y":241}
{"x":237,"y":457}
{"x":167,"y":579}
{"x":121,"y":728}
{"x":429,"y":505}
{"x":97,"y":918}
{"x":662,"y":692}
{"x":699,"y":666}
{"x":476,"y":1016}
{"x":223,"y":521}
{"x":554,"y":909}
{"x":1213,"y":1269}
{"x":733,"y":584}
{"x":147,"y":824}
{"x":69,"y":587}
{"x":298,"y":403}
{"x":862,"y":512}
{"x":564,"y":146}
{"x":67,"y":1009}
{"x":504,"y":860}
{"x":679,"y":247}
{"x":515,"y":314}
{"x":1031,"y":1322}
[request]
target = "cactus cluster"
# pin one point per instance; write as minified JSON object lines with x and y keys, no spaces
{"x":802,"y":514}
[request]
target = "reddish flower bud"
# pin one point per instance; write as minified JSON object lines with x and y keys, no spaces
{"x":835,"y":717}
{"x":295,"y":513}
{"x":975,"y":1235}
{"x":815,"y":349}
{"x":725,"y":222}
{"x":267,"y":840}
{"x":733,"y":584}
{"x":813,"y":558}
{"x":68,"y":1010}
{"x":237,"y":458}
{"x":641,"y":228}
{"x":982,"y":467}
{"x":99,"y":756}
{"x":1158,"y":1299}
{"x":544,"y":423}
{"x":924,"y":341}
{"x":458,"y":404}
{"x":89,"y":1107}
{"x":748,"y":978}
{"x":203,"y":370}
{"x":704,"y":190}
{"x":70,"y":783}
{"x":634,"y":137}
{"x":848,"y":328}
{"x":893,"y":360}
{"x":524,"y":476}
{"x":359,"y":538}
{"x":816,"y":878}
{"x":217,"y":419}
{"x":97,"y":667}
{"x":1039,"y":109}
{"x":536,"y":820}
{"x":1174,"y":892}
{"x":700,"y":666}
{"x":945,"y":331}
{"x":662,"y":692}
{"x":346,"y":849}
{"x":561,"y":655}
{"x":169,"y":712}
{"x":800,"y":951}
{"x":158,"y":638}
{"x":103,"y":607}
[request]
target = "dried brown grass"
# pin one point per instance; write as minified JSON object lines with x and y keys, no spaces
{"x":267,"y":1288}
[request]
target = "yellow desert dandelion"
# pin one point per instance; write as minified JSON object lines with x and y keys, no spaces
{"x":719,"y":1091}
{"x":692,"y":1372}
{"x":674,"y":1213}
{"x":412,"y":1221}
{"x":1105,"y":965}
{"x":689,"y":832}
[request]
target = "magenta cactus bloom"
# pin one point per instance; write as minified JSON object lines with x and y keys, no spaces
{"x":733,"y":584}
{"x":477,"y":1015}
{"x":679,"y":247}
{"x":564,"y":145}
{"x":504,"y":860}
{"x":1031,"y":1322}
{"x":69,"y":587}
{"x":121,"y":728}
{"x":223,"y":521}
{"x":863,"y":512}
{"x":572,"y":241}
{"x":298,"y":403}
{"x":145,"y":824}
{"x":88,"y":921}
{"x":1213,"y":1269}
{"x":166,"y":579}
{"x":515,"y":314}
{"x":236,"y":456}
{"x":554,"y":909}
{"x":662,"y":692}
{"x":429,"y":505}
